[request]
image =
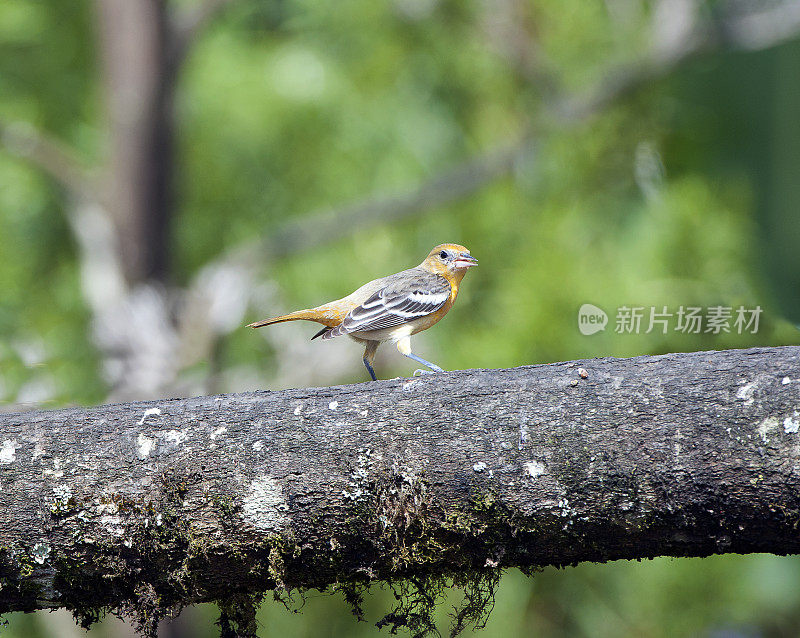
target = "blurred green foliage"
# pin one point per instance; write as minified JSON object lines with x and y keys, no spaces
{"x":734,"y":596}
{"x":683,"y":195}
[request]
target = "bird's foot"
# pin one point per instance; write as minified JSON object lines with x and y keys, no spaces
{"x":419,"y":371}
{"x":432,"y":367}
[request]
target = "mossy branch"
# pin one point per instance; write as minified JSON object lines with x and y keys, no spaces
{"x":145,"y":508}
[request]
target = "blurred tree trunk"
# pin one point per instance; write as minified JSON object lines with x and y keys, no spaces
{"x":135,"y":52}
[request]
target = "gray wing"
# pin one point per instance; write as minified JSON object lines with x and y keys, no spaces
{"x":394,"y":305}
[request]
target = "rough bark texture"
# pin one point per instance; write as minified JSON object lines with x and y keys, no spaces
{"x":151,"y":506}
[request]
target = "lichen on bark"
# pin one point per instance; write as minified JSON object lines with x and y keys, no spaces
{"x":145,"y":508}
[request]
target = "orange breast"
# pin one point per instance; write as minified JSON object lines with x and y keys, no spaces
{"x":426,"y":322}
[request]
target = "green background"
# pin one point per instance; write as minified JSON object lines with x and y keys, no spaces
{"x":685,"y":193}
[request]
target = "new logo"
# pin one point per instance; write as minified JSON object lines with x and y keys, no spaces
{"x":591,"y":319}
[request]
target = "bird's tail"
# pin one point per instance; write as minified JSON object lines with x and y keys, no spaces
{"x":310,"y":315}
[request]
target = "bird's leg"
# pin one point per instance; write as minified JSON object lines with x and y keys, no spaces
{"x":404,"y":347}
{"x":369,"y":369}
{"x":433,"y":367}
{"x":369,"y":355}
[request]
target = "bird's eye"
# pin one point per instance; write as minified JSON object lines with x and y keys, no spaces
{"x":443,"y":254}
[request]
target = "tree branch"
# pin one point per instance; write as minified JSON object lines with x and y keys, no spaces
{"x":763,"y":29}
{"x":147,"y":507}
{"x":686,"y":40}
{"x":751,"y":31}
{"x":327,"y":225}
{"x":52,"y":156}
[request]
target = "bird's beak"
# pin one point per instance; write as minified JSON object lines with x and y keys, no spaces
{"x":465,"y":260}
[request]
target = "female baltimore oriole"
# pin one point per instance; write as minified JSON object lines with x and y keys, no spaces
{"x":393,"y":308}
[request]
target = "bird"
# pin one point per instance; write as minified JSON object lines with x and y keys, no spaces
{"x":392,"y":308}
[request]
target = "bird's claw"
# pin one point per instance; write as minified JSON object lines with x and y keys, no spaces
{"x":419,"y":371}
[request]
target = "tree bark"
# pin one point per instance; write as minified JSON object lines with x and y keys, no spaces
{"x":147,"y":507}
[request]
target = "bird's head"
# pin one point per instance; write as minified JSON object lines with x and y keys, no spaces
{"x":449,"y":257}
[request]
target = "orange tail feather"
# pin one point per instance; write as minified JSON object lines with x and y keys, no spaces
{"x":309,"y":315}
